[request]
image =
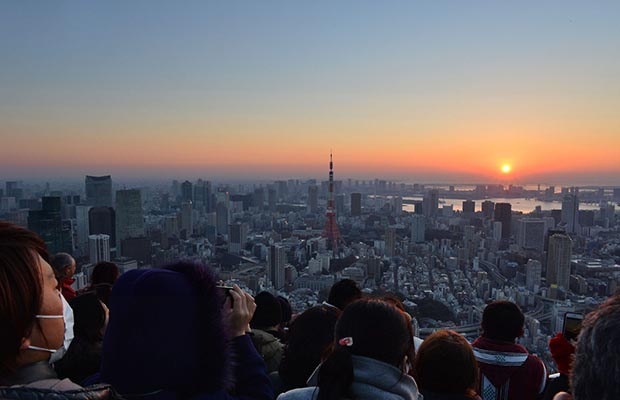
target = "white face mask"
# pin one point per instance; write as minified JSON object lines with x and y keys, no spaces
{"x":67,"y":316}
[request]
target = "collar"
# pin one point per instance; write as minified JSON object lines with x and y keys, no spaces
{"x":30,"y":373}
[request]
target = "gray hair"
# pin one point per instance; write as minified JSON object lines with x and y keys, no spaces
{"x":60,"y":261}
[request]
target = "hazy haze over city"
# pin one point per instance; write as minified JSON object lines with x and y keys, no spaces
{"x":410,"y":91}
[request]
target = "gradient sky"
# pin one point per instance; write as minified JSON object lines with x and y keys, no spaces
{"x":410,"y":90}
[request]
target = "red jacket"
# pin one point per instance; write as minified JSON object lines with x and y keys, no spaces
{"x":508,"y":371}
{"x":66,"y":289}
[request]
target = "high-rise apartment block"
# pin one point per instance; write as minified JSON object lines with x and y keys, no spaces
{"x":99,"y":246}
{"x":313,"y":199}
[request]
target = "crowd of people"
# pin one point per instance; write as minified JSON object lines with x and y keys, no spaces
{"x":177,"y":333}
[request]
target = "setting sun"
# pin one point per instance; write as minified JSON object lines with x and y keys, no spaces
{"x":506,"y":168}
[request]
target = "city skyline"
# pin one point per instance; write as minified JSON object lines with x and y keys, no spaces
{"x":413,"y":92}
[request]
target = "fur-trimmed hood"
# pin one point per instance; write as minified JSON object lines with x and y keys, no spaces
{"x":166,"y":333}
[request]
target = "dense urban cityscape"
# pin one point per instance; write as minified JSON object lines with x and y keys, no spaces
{"x":446,"y":251}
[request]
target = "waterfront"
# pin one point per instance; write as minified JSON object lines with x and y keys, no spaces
{"x":518,"y":204}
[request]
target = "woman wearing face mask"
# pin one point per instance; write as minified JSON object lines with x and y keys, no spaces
{"x":371,"y":357}
{"x":35,"y":321}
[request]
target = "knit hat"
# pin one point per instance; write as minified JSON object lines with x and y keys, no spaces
{"x":287,"y":312}
{"x":562,"y":352}
{"x":268,"y":312}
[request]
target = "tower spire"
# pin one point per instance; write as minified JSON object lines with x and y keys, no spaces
{"x":331,"y":231}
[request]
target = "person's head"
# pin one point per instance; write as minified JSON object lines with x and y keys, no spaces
{"x":63,"y":265}
{"x":370,"y":328}
{"x":502,"y":320}
{"x":104,"y":272}
{"x":343,"y":293}
{"x":28,"y":292}
{"x":287,"y":311}
{"x":166,"y":332}
{"x":103,"y":278}
{"x":445,"y":363}
{"x":596,"y":370}
{"x":310,"y":335}
{"x":90,"y":317}
{"x":268,"y":313}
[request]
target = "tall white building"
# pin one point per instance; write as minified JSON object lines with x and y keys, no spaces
{"x":99,"y":246}
{"x":82,"y":226}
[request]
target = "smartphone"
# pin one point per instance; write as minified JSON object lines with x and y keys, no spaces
{"x":225,"y":293}
{"x":572,"y":325}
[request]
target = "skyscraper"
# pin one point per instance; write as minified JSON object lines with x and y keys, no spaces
{"x":276,"y":260}
{"x":488,"y":209}
{"x":469,"y":207}
{"x":430,"y":203}
{"x":356,"y":204}
{"x":81,"y":218}
{"x":98,"y":191}
{"x":48,"y":224}
{"x":129,"y":216}
{"x":313,"y":199}
{"x":187,"y":191}
{"x":102,"y":220}
{"x":558,"y":260}
{"x":503,"y":214}
{"x":533,"y":270}
{"x":99,"y":246}
{"x":237,"y":237}
{"x":418,"y":226}
{"x":531,"y":235}
{"x":570,"y":213}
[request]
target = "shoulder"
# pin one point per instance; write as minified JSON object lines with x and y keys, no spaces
{"x":96,"y":392}
{"x":300,"y":394}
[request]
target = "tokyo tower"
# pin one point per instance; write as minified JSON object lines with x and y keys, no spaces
{"x":331,"y":231}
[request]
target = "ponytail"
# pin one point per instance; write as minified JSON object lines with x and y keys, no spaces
{"x":336,"y":375}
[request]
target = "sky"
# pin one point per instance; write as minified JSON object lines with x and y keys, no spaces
{"x":418,"y":91}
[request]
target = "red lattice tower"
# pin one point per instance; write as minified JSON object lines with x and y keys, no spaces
{"x":331,"y":231}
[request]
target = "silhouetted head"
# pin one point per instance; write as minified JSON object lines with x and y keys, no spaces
{"x":287,"y":311}
{"x":104,"y":272}
{"x":268,"y":313}
{"x":369,"y":328}
{"x":343,"y":293}
{"x":90,"y":317}
{"x":596,"y":370}
{"x":310,"y":335}
{"x":445,"y":363}
{"x":502,"y":320}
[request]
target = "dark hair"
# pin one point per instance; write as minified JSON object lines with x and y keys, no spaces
{"x":344,"y":292}
{"x":89,"y":317}
{"x":597,"y":358}
{"x":502,"y":320}
{"x":287,"y":311}
{"x":310,"y":335}
{"x":103,"y":278}
{"x":21,"y":289}
{"x":445,"y":363}
{"x":377,"y":330}
{"x":104,"y":272}
{"x":268,"y":312}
